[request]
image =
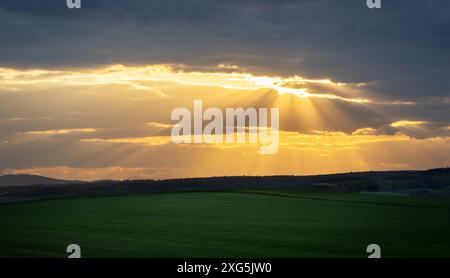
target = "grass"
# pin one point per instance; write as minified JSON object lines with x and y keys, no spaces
{"x":234,"y":224}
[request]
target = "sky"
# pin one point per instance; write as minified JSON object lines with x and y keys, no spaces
{"x":88,"y":93}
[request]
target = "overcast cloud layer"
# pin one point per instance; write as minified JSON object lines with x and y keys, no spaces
{"x":404,"y":46}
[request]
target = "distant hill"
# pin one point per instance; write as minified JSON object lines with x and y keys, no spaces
{"x":434,"y":182}
{"x":22,"y":180}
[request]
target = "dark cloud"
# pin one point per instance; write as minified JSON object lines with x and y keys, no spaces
{"x":404,"y":46}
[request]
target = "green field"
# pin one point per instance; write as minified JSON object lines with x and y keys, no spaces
{"x":228,"y":224}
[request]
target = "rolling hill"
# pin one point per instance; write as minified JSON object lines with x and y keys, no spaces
{"x":23,"y":180}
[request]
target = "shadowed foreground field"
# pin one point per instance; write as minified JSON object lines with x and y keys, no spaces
{"x":234,"y":224}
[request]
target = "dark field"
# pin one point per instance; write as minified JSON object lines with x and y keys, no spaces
{"x":266,"y":223}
